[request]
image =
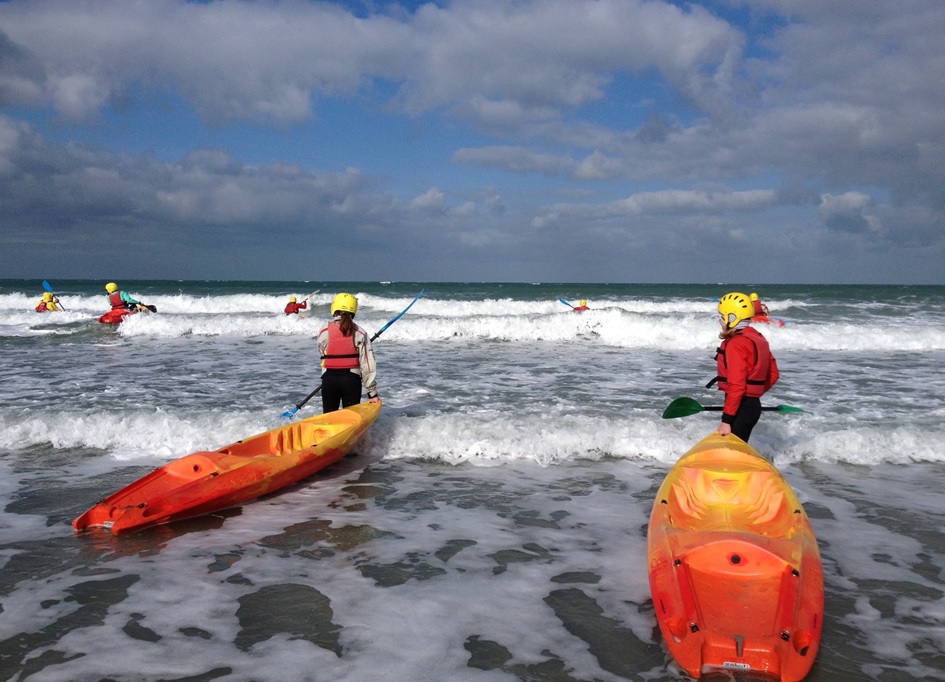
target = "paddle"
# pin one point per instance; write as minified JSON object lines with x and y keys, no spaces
{"x":685,"y":407}
{"x":303,"y":315}
{"x":152,"y":308}
{"x":289,"y":413}
{"x":48,"y":287}
{"x":566,"y":303}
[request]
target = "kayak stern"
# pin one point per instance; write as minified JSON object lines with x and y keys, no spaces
{"x":735,"y":570}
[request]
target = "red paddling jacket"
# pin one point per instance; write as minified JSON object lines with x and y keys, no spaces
{"x":746,"y":367}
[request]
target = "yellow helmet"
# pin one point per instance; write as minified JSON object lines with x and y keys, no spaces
{"x":583,"y":303}
{"x":47,"y":296}
{"x":111,"y":287}
{"x":734,"y":308}
{"x":292,"y":299}
{"x":753,"y":296}
{"x":344,"y":303}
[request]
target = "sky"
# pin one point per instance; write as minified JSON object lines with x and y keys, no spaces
{"x":758,"y":141}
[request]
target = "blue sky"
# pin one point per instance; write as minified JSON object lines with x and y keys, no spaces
{"x":502,"y":140}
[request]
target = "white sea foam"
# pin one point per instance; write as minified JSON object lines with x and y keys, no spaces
{"x":499,"y":502}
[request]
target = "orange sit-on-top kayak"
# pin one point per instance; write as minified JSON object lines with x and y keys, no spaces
{"x":737,"y":582}
{"x":204,"y":482}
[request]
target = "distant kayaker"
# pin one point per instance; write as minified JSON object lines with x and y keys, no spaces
{"x":293,"y":308}
{"x":347,"y":357}
{"x":122,"y":300}
{"x":49,"y":304}
{"x":581,"y":306}
{"x":746,"y":367}
{"x":759,"y":307}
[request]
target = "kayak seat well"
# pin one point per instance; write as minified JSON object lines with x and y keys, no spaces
{"x":702,"y":499}
{"x":302,"y":436}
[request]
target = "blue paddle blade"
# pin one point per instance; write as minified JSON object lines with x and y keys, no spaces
{"x":48,"y":287}
{"x":566,"y":303}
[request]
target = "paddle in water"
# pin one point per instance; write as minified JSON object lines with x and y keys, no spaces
{"x":289,"y":413}
{"x":685,"y":407}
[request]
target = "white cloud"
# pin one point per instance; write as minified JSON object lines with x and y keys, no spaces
{"x":514,"y":159}
{"x":849,"y":212}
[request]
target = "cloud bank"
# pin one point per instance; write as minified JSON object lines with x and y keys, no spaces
{"x":568,"y":140}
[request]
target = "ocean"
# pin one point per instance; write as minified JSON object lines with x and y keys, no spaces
{"x":492,"y":525}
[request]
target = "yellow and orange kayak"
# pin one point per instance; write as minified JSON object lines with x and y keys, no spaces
{"x":735,"y":572}
{"x":205,"y":482}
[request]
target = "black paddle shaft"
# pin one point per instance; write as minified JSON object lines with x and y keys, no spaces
{"x":719,"y":408}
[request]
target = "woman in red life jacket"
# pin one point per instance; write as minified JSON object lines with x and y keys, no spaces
{"x":746,"y":367}
{"x":347,"y":358}
{"x":293,"y":308}
{"x":582,"y":306}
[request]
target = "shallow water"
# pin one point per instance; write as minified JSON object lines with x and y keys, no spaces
{"x":492,"y":525}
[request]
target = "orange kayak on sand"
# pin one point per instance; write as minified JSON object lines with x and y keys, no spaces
{"x":205,"y":482}
{"x":735,"y":572}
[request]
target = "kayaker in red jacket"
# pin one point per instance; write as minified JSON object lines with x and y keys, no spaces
{"x":746,"y":367}
{"x":49,"y":304}
{"x":759,"y":307}
{"x":582,"y":306}
{"x":293,"y":308}
{"x":347,"y":358}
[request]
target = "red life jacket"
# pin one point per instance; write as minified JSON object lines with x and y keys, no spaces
{"x":115,"y":299}
{"x":763,"y":371}
{"x":294,"y":308}
{"x":41,"y":307}
{"x":341,"y":352}
{"x":759,"y":309}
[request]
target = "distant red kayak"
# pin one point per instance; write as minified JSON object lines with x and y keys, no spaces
{"x":115,"y":316}
{"x":768,"y":320}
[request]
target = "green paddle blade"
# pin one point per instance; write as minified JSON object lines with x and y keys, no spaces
{"x":682,"y":407}
{"x":788,"y":408}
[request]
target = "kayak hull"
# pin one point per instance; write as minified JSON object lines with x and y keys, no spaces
{"x":764,"y":319}
{"x":205,"y":482}
{"x":734,"y":567}
{"x":115,"y":316}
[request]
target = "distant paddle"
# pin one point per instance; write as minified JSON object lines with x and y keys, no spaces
{"x":303,"y":315}
{"x":685,"y":407}
{"x":288,"y":414}
{"x":48,"y":287}
{"x":566,"y":303}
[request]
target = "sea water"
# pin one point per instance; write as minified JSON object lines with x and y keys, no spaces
{"x":492,"y":525}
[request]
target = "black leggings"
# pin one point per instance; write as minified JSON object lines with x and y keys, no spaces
{"x":747,"y":416}
{"x":340,"y":388}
